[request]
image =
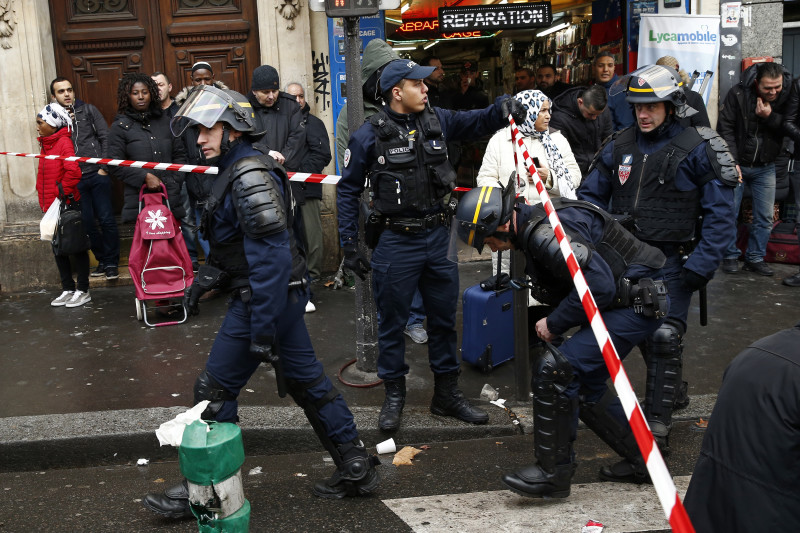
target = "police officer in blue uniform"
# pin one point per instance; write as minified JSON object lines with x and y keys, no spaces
{"x":402,"y":151}
{"x":249,"y":219}
{"x":676,"y":186}
{"x":624,"y":276}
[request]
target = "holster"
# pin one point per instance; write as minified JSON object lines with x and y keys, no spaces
{"x":275,"y":360}
{"x":374,"y":224}
{"x":647,"y":296}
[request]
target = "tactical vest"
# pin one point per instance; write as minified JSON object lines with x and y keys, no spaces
{"x":229,"y":255}
{"x":412,"y":172}
{"x":643,"y":186}
{"x":618,"y":247}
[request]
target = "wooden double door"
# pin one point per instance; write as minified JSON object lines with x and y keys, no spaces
{"x":97,"y":41}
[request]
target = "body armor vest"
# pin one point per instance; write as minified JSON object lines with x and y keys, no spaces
{"x":412,"y":172}
{"x":229,"y":255}
{"x":643,"y":186}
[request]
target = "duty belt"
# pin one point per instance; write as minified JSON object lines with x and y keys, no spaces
{"x":647,"y":296}
{"x":417,"y":225}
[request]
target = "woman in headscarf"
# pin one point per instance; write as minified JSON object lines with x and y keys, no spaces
{"x":558,"y":168}
{"x":54,"y":126}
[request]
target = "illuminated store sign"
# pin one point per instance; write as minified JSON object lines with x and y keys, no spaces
{"x":495,"y":17}
{"x":429,"y":28}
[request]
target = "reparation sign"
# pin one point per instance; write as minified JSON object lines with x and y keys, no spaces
{"x":495,"y":17}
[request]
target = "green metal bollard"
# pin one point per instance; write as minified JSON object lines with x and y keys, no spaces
{"x":212,"y":463}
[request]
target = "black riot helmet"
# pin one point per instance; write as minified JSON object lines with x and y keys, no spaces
{"x":481,"y":211}
{"x":208,"y":105}
{"x":654,"y":83}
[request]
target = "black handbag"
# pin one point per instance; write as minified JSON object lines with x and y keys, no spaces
{"x":70,"y":236}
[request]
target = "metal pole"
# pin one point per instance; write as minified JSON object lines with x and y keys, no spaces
{"x":522,"y":360}
{"x":366,"y":314}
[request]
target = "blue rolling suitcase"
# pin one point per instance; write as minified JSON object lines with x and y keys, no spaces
{"x":488,"y":327}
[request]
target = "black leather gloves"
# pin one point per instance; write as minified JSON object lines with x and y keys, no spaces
{"x":262,"y":350}
{"x":355,"y":261}
{"x":190,"y":298}
{"x":518,"y":111}
{"x":692,"y":280}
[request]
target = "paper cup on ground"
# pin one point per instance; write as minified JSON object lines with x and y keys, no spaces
{"x":386,"y":446}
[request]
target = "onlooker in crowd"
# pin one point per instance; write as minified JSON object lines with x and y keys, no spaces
{"x":89,"y":135}
{"x":582,"y":116}
{"x":140,"y":131}
{"x":376,"y":56}
{"x":316,"y":158}
{"x":524,"y":79}
{"x":168,"y":104}
{"x":549,"y":81}
{"x":792,"y":125}
{"x":745,"y":478}
{"x":54,"y":125}
{"x":412,"y":253}
{"x":434,"y":82}
{"x":469,"y":95}
{"x":621,"y":111}
{"x":751,"y":120}
{"x":675,"y":184}
{"x":693,"y":98}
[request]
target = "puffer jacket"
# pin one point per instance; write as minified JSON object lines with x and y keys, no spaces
{"x":754,"y":141}
{"x":145,"y":137}
{"x":585,"y":137}
{"x":53,"y":171}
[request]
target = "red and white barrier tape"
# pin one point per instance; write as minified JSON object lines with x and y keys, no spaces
{"x":329,"y":179}
{"x":659,"y":474}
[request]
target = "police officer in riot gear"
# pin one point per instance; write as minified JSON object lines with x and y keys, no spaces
{"x":402,"y":151}
{"x":249,"y":220}
{"x":569,"y":381}
{"x":676,"y":186}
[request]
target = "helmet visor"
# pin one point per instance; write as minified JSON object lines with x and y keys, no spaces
{"x":466,"y":241}
{"x":205,"y":105}
{"x":656,"y":81}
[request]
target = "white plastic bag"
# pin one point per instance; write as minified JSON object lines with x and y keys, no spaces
{"x":47,"y":227}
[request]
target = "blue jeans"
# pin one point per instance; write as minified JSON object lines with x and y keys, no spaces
{"x":417,"y":314}
{"x":762,"y":187}
{"x":96,"y":203}
{"x":401,"y":264}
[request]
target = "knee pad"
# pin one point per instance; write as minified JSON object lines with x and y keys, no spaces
{"x":551,"y":371}
{"x":207,"y":388}
{"x":554,"y":411}
{"x":665,"y":342}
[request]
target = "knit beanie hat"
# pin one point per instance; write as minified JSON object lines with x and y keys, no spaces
{"x":265,"y":78}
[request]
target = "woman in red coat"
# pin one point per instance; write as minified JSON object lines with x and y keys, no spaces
{"x":54,"y":126}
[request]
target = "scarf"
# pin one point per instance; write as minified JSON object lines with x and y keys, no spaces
{"x":533,"y":102}
{"x":55,"y":115}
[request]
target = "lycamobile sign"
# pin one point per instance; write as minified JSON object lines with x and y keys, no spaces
{"x":695,"y":37}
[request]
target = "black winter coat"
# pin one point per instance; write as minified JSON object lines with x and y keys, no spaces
{"x":695,"y":100}
{"x":584,"y":136}
{"x":317,"y":151}
{"x":89,"y":134}
{"x":745,"y":479}
{"x":281,"y":128}
{"x":753,"y":140}
{"x":145,"y":137}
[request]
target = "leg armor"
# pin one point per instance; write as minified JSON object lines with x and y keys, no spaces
{"x":207,"y":388}
{"x":553,"y":410}
{"x":618,"y":436}
{"x":663,"y":349}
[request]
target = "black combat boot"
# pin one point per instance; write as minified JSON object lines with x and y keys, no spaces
{"x":535,"y":482}
{"x":626,"y":471}
{"x":355,"y":473}
{"x":448,"y":400}
{"x":392,"y":410}
{"x":172,"y":503}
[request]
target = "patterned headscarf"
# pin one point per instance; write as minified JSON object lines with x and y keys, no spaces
{"x":533,"y":102}
{"x":55,"y":115}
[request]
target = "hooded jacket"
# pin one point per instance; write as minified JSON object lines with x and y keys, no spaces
{"x":584,"y":136}
{"x":752,"y":140}
{"x":376,"y":54}
{"x":53,"y":171}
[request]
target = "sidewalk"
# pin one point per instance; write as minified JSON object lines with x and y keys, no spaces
{"x":90,"y":385}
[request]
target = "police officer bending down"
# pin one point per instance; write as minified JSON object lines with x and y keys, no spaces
{"x":249,"y":221}
{"x":676,"y":184}
{"x":569,"y":382}
{"x":402,"y":150}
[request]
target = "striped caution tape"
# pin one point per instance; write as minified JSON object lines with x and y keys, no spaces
{"x":662,"y":480}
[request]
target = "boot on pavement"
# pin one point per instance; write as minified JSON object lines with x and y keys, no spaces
{"x":355,"y":473}
{"x":392,"y":410}
{"x":172,"y":503}
{"x":626,"y":471}
{"x":535,"y":482}
{"x":448,"y":400}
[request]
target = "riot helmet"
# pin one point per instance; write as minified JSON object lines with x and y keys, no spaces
{"x":206,"y":105}
{"x":654,"y":83}
{"x":481,"y":211}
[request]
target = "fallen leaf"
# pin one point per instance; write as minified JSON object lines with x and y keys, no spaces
{"x":404,"y":456}
{"x":701,"y":424}
{"x":159,"y":480}
{"x":328,"y":283}
{"x":499,"y":442}
{"x":424,"y":447}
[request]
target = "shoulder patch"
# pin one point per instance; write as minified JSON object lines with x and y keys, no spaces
{"x":346,"y":157}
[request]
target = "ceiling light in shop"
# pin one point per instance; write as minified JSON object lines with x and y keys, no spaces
{"x":432,"y":43}
{"x":552,"y":29}
{"x":404,"y":48}
{"x":405,"y":7}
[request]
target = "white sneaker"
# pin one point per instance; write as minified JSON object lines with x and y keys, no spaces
{"x":79,"y":298}
{"x":310,"y":307}
{"x":61,"y":300}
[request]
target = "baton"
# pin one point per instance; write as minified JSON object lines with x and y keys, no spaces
{"x":703,"y":306}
